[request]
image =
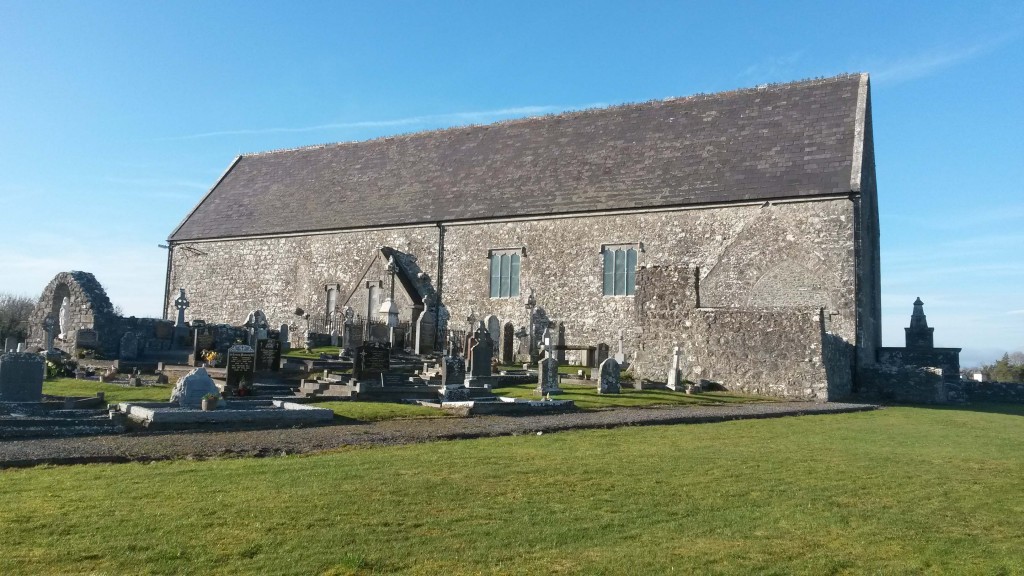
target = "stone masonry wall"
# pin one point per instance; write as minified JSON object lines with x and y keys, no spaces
{"x":792,"y":255}
{"x":226,"y":280}
{"x":773,"y":352}
{"x":89,"y":308}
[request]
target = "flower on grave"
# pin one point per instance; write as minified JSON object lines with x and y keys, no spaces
{"x":211,"y":397}
{"x":211,"y":357}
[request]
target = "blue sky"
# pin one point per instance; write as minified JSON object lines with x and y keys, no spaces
{"x":116,"y":117}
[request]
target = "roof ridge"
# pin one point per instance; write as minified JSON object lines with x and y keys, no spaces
{"x":771,"y":86}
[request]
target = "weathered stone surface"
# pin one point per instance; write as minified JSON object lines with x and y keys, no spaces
{"x":88,"y":307}
{"x":129,"y":349}
{"x":21,"y":377}
{"x":188,"y":392}
{"x":548,"y":373}
{"x":609,"y":380}
{"x":453,"y":372}
{"x":786,"y":352}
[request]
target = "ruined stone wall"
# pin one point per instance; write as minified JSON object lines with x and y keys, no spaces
{"x":774,"y":352}
{"x":946,"y":359}
{"x":773,"y":255}
{"x":227,"y":279}
{"x":89,"y":309}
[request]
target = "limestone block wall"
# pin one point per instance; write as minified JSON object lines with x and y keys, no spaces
{"x":227,"y":279}
{"x":775,"y":352}
{"x":772,"y":255}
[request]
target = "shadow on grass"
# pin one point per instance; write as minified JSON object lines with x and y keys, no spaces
{"x":983,"y":407}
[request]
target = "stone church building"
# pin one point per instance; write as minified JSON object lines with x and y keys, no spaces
{"x":741,"y":227}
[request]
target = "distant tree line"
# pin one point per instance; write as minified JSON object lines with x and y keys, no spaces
{"x":1009,"y":368}
{"x":14,"y":312}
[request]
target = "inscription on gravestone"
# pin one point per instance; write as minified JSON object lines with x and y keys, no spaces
{"x":241,"y":366}
{"x":372,"y":358}
{"x":268,"y":354}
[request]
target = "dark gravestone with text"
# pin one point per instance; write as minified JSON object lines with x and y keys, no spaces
{"x":268,"y":354}
{"x":241,"y":365}
{"x":371,"y":359}
{"x":203,"y":340}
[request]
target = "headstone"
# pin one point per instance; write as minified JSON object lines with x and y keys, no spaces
{"x":10,"y":344}
{"x":87,"y":338}
{"x":453,"y":372}
{"x":508,"y":336}
{"x":494,"y":330}
{"x":620,"y":356}
{"x":282,"y":337}
{"x":675,"y":377}
{"x":203,"y":340}
{"x":371,"y":359}
{"x":241,"y":367}
{"x":21,"y":377}
{"x":189,"y":390}
{"x":602,"y":352}
{"x":548,"y":370}
{"x":268,"y":354}
{"x":453,"y":379}
{"x":609,"y":382}
{"x":129,"y":346}
{"x":21,"y":347}
{"x":482,"y":353}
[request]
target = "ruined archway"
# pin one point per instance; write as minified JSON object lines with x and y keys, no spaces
{"x":90,"y":319}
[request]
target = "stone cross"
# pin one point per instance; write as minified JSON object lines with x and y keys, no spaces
{"x":181,"y":302}
{"x":620,"y":356}
{"x":675,"y":380}
{"x":48,"y":326}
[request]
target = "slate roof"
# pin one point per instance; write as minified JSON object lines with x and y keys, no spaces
{"x":771,"y":142}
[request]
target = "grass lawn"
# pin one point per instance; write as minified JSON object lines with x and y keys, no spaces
{"x":374,"y":411}
{"x":312,"y":355}
{"x":897,"y":491}
{"x":587,"y":398}
{"x":112,"y":392}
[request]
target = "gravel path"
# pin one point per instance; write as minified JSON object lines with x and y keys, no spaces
{"x":208,"y":444}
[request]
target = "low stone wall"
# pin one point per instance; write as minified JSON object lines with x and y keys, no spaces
{"x":993,"y":391}
{"x":930,"y":385}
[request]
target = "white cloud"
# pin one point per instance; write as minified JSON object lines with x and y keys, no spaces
{"x":932,"y":61}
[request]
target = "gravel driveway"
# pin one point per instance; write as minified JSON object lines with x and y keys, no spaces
{"x":235,"y":443}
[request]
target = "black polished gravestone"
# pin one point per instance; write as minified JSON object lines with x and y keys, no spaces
{"x":202,"y":340}
{"x":241,"y":366}
{"x":268,"y":354}
{"x":371,"y":359}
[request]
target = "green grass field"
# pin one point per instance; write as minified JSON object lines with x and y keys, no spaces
{"x":897,"y":491}
{"x":587,"y":398}
{"x":375,"y":411}
{"x":112,"y":393}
